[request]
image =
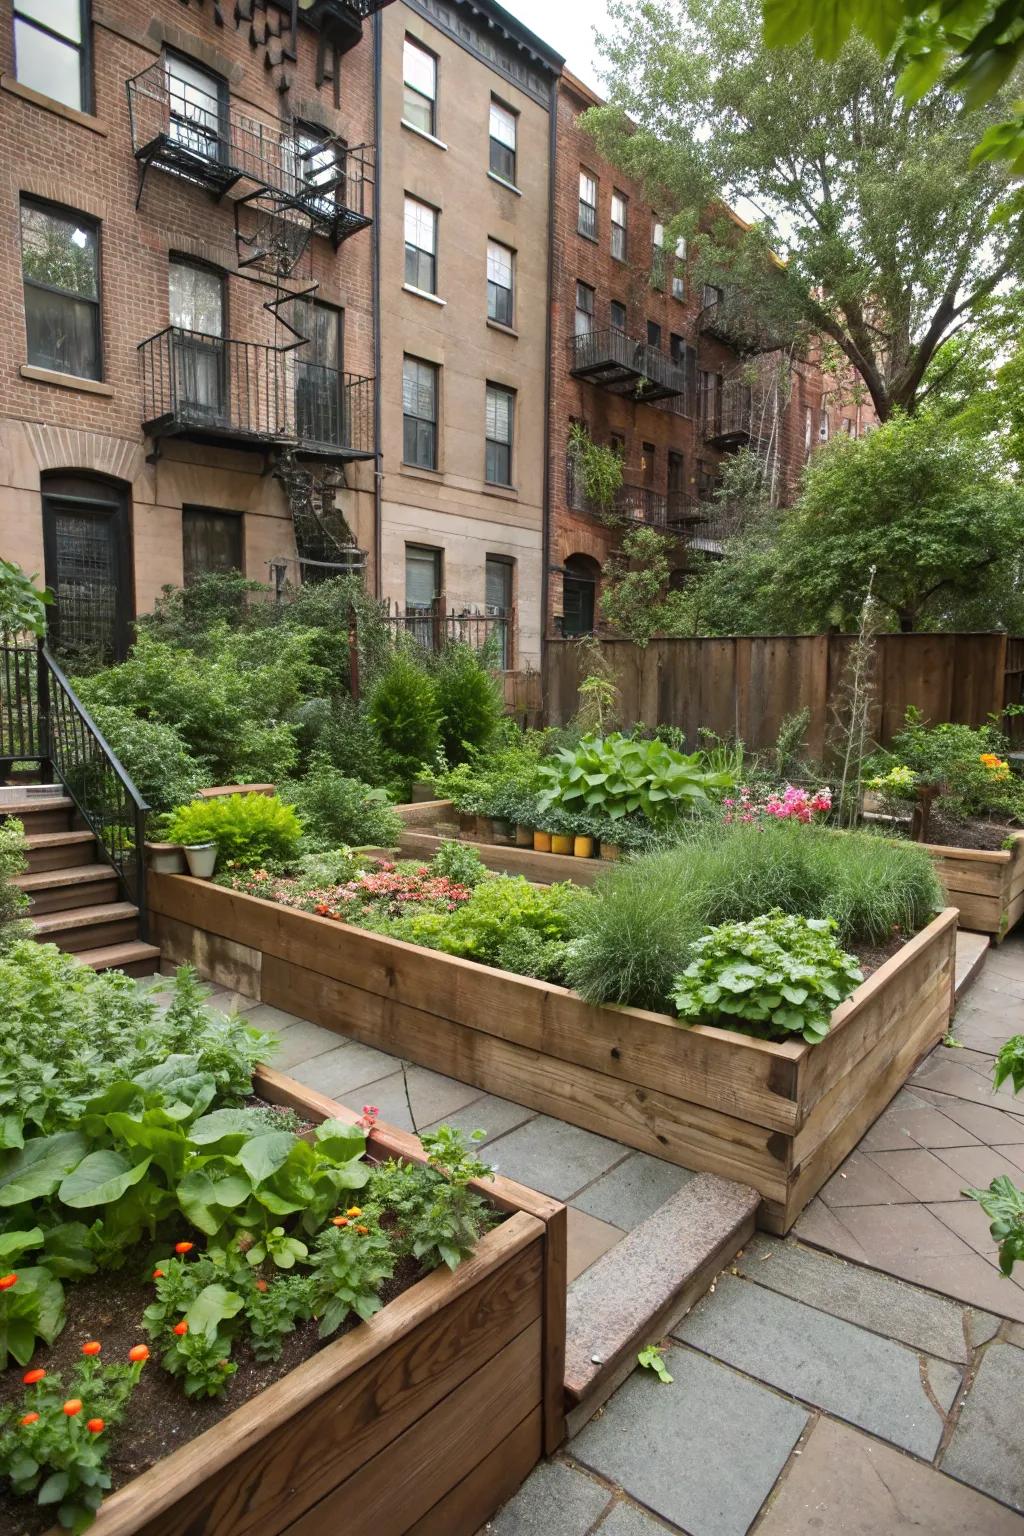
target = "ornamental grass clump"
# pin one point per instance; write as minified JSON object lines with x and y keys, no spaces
{"x":776,"y":976}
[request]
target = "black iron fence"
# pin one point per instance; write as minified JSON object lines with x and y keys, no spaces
{"x":193,"y":382}
{"x":433,"y":627}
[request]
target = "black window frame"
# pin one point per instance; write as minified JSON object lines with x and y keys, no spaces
{"x":83,"y":49}
{"x":497,"y":452}
{"x":498,"y":150}
{"x":617,"y":305}
{"x":495,"y":290}
{"x":620,"y":230}
{"x":422,"y":47}
{"x":582,"y":287}
{"x":586,"y":217}
{"x":654,"y":334}
{"x":436,"y":560}
{"x":61,"y":210}
{"x":421,"y":251}
{"x":418,"y":436}
{"x":223,"y":99}
{"x":225,"y":515}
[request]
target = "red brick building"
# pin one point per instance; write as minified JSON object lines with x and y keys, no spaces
{"x":188,"y":355}
{"x":665,"y":371}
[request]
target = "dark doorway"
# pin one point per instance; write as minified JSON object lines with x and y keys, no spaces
{"x":87,"y":547}
{"x":579,"y":594}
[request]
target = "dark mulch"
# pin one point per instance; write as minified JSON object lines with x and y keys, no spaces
{"x":977,"y":833}
{"x":873,"y":956}
{"x":160,"y":1417}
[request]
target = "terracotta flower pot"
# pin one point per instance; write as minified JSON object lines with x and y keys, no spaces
{"x":524,"y":837}
{"x":610,"y":851}
{"x":561,"y":843}
{"x":583,"y":847}
{"x":542,"y":842}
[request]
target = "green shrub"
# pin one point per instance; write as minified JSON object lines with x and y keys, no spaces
{"x":189,"y":617}
{"x":616,"y":776}
{"x":152,"y":754}
{"x":249,"y":830}
{"x":781,"y":974}
{"x":497,"y":908}
{"x":459,"y":862}
{"x":966,"y":766}
{"x":403,"y":710}
{"x":469,"y":700}
{"x":337,"y":811}
{"x":13,"y":904}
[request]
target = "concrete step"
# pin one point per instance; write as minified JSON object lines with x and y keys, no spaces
{"x":59,"y":850}
{"x":642,"y":1286}
{"x":50,"y":813}
{"x":136,"y":958}
{"x":87,"y":928}
{"x":57,"y":890}
{"x":971,"y":950}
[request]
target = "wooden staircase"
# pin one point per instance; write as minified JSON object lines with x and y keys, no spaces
{"x":73,"y":892}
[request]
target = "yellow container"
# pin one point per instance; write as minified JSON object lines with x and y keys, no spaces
{"x":583,"y":847}
{"x":542,"y":842}
{"x":561,"y":843}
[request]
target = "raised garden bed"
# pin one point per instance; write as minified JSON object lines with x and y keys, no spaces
{"x":987,"y":886}
{"x":429,"y":824}
{"x":777,"y":1116}
{"x":423,"y":1419}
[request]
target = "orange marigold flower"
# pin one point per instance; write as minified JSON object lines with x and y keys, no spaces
{"x":6,"y":1281}
{"x":353,"y":1210}
{"x":91,"y":1347}
{"x":31,"y":1377}
{"x":339,"y":1221}
{"x":180,"y":1329}
{"x":183,"y":1247}
{"x":29,"y":1418}
{"x":95,"y":1426}
{"x":261,"y":1286}
{"x":158,"y":1274}
{"x":362,"y":1231}
{"x":73,"y":1406}
{"x":138,"y":1352}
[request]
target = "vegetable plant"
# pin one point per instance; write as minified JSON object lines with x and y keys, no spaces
{"x":615,"y":776}
{"x":350,"y":1262}
{"x":777,"y":975}
{"x":249,"y":830}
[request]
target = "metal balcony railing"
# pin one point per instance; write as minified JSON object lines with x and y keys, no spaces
{"x":209,"y":140}
{"x":625,"y":366}
{"x":203,"y":386}
{"x":734,"y":320}
{"x":727,"y":415}
{"x":635,"y":503}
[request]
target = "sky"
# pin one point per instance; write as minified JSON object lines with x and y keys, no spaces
{"x":568,"y":26}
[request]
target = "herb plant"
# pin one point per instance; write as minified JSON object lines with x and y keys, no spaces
{"x":350,"y":1262}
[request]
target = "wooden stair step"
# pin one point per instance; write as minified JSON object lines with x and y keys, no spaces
{"x":51,"y":890}
{"x":135,"y":957}
{"x":88,"y":927}
{"x":49,"y":814}
{"x":58,"y":850}
{"x":642,"y":1286}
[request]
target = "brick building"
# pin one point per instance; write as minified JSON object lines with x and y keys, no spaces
{"x":673,"y":375}
{"x":188,"y":322}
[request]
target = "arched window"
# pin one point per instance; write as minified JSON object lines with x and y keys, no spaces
{"x":87,"y":544}
{"x":579,"y":592}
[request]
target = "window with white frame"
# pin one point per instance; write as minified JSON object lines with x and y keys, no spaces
{"x":419,"y":413}
{"x":500,"y":279}
{"x":619,"y":216}
{"x":503,"y":142}
{"x":657,"y":255}
{"x":419,"y":93}
{"x":420,"y":245}
{"x":679,"y":271}
{"x":586,"y":221}
{"x":500,"y":409}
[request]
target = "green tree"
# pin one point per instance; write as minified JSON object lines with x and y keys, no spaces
{"x":636,"y":579}
{"x":884,"y":221}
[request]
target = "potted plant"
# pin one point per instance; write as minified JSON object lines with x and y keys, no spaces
{"x":560,"y":825}
{"x":201,"y":859}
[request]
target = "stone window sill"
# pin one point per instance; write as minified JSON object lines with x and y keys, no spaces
{"x":421,"y":293}
{"x":508,"y":185}
{"x":421,"y":133}
{"x":506,"y":330}
{"x":65,"y":380}
{"x":48,"y":104}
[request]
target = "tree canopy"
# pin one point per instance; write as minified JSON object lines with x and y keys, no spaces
{"x":890,"y":234}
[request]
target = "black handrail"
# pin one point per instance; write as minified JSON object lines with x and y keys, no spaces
{"x":84,"y":762}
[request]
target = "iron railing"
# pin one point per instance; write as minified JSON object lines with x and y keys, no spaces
{"x":627,"y":366}
{"x":635,"y":503}
{"x":736,"y":321}
{"x":214,"y":386}
{"x":727,"y":417}
{"x":210,"y":140}
{"x":433,"y":627}
{"x":42,"y":718}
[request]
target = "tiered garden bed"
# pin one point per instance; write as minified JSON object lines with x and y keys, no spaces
{"x":423,"y":1419}
{"x":987,"y":886}
{"x":777,"y":1116}
{"x":430,"y":823}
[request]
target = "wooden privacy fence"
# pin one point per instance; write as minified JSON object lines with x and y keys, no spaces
{"x":745,"y":686}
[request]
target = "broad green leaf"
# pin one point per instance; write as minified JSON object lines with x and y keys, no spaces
{"x":213,"y":1306}
{"x":101,"y":1177}
{"x":38,"y":1168}
{"x":340,"y":1141}
{"x":234,"y":1124}
{"x":14,"y":1244}
{"x":264,"y":1155}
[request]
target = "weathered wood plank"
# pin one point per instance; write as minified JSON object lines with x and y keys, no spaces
{"x":464,"y":1511}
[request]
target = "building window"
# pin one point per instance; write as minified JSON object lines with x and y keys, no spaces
{"x":197,"y":102}
{"x":679,"y":271}
{"x":196,"y":306}
{"x":319,"y":407}
{"x":676,"y":472}
{"x":422,"y":577}
{"x":584,"y":309}
{"x":823,"y":427}
{"x":808,"y":429}
{"x":60,"y":263}
{"x":705,"y":480}
{"x":500,"y":292}
{"x":657,"y":255}
{"x":618,"y":221}
{"x":420,"y":245}
{"x":712,"y":295}
{"x":419,"y":413}
{"x":498,"y":576}
{"x":503,"y":142}
{"x":848,"y":426}
{"x":653,"y":333}
{"x":587,"y":220}
{"x":617,"y":315}
{"x":498,"y":431}
{"x":314,"y":164}
{"x":648,"y":463}
{"x":579,"y":591}
{"x":51,"y":40}
{"x":210,"y":541}
{"x":419,"y":98}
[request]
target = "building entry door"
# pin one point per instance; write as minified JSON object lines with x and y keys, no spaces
{"x":87,"y":550}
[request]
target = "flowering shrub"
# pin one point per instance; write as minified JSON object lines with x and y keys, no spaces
{"x":962,"y":771}
{"x":382,"y":890}
{"x":788,"y":804}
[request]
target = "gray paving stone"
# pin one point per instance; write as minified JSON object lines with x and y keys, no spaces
{"x":555,"y":1158}
{"x":987,"y":1448}
{"x":837,"y":1366}
{"x":863,"y":1296}
{"x":554,"y":1496}
{"x":490,"y":1114}
{"x":633,"y":1191}
{"x":629,"y":1520}
{"x":344,"y":1070}
{"x":860,"y":1181}
{"x":266,"y":1017}
{"x":433,"y":1097}
{"x":297,"y":1042}
{"x":703,"y":1452}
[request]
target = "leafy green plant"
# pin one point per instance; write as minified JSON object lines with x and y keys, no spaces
{"x":404,"y":711}
{"x":459,"y":862}
{"x":23,"y":605}
{"x":446,"y":1228}
{"x":1010,"y":1064}
{"x":618,"y":775}
{"x":350,"y":1262}
{"x":779,"y":974}
{"x":498,"y":907}
{"x":13,"y":902}
{"x":650,"y":1358}
{"x":1003,"y":1204}
{"x":597,"y":469}
{"x":335,"y":810}
{"x":962,"y":769}
{"x":152,"y":753}
{"x":469,"y":700}
{"x":249,"y":830}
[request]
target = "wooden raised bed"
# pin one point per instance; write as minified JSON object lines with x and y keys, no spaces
{"x":986,"y":886}
{"x":418,"y":1423}
{"x":421,"y":841}
{"x":777,"y":1116}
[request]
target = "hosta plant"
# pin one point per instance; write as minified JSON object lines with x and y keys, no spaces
{"x":616,"y":776}
{"x":776,"y":976}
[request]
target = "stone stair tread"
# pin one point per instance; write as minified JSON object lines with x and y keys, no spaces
{"x":84,"y":917}
{"x":646,"y":1282}
{"x":115,"y":957}
{"x":71,"y":874}
{"x":20,"y":808}
{"x":36,"y":840}
{"x":971,"y":949}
